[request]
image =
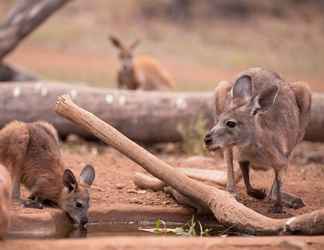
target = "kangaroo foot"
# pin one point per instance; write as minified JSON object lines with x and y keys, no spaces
{"x":292,"y":201}
{"x":259,"y":194}
{"x":289,"y":200}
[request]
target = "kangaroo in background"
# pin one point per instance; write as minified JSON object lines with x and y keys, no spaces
{"x":139,"y":72}
{"x":5,"y":199}
{"x":260,"y":119}
{"x":31,"y":153}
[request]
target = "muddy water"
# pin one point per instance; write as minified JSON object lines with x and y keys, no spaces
{"x":138,"y":229}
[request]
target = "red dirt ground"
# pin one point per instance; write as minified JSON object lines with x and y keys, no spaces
{"x":114,"y":172}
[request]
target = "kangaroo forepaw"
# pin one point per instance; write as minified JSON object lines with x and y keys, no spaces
{"x":292,"y":201}
{"x":259,"y":194}
{"x":32,"y":204}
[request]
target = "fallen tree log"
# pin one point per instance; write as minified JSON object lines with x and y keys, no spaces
{"x":142,"y":116}
{"x":146,"y":117}
{"x":23,"y":19}
{"x":224,"y":206}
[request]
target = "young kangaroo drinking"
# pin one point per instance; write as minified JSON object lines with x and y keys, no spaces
{"x":140,"y":72}
{"x":5,"y":198}
{"x":32,"y":155}
{"x":260,"y":119}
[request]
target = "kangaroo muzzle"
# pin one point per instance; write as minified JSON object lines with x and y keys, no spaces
{"x":208,"y":139}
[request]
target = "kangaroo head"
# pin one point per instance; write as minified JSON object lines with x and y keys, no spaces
{"x":125,"y":53}
{"x":75,"y":198}
{"x":237,"y":125}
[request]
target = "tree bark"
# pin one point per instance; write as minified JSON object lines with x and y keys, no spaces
{"x":224,"y":206}
{"x":23,"y":19}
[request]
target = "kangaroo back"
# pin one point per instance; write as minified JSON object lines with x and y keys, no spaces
{"x":5,"y":194}
{"x":14,"y":140}
{"x":43,"y":168}
{"x":151,"y":75}
{"x":32,"y":152}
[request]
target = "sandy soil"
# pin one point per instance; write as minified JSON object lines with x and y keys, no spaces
{"x":114,"y":186}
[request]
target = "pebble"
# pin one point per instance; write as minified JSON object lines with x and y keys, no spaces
{"x":134,"y":191}
{"x":131,"y":191}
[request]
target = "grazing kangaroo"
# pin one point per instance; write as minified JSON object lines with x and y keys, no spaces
{"x":140,"y":72}
{"x":32,"y":155}
{"x":5,"y":198}
{"x":260,"y":119}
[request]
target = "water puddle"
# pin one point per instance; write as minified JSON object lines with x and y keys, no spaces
{"x":138,"y":229}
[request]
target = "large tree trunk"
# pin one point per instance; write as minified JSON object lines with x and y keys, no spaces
{"x":224,"y":206}
{"x":23,"y":19}
{"x":146,"y":117}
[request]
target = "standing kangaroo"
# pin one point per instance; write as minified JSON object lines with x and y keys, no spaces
{"x":139,"y":72}
{"x":260,"y":119}
{"x":5,"y":199}
{"x":32,"y":155}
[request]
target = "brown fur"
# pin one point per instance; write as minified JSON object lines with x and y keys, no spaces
{"x":265,"y":138}
{"x":32,"y":155}
{"x":140,"y":72}
{"x":5,"y":197}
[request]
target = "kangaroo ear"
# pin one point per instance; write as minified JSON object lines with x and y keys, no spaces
{"x":134,"y":44}
{"x":116,"y":42}
{"x":265,"y":99}
{"x":87,"y":175}
{"x":69,"y":180}
{"x":242,"y":87}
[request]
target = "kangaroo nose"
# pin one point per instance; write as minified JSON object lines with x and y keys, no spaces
{"x":208,"y":139}
{"x":84,"y":221}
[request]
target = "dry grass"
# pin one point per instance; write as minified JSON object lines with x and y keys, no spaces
{"x":73,"y":45}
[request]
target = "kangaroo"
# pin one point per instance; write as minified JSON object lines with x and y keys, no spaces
{"x":140,"y":72}
{"x":5,"y":198}
{"x":260,"y":119}
{"x":31,"y":153}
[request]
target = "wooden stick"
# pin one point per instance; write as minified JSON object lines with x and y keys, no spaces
{"x":224,"y":207}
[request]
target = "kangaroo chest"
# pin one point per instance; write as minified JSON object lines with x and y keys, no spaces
{"x":126,"y":79}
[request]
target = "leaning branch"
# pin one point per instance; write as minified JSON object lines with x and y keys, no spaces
{"x":225,"y":208}
{"x":23,"y":19}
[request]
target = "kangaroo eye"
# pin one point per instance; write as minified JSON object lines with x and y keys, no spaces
{"x":78,"y":204}
{"x":231,"y":124}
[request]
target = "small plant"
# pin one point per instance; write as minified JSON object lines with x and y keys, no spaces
{"x":193,"y":136}
{"x":192,"y":228}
